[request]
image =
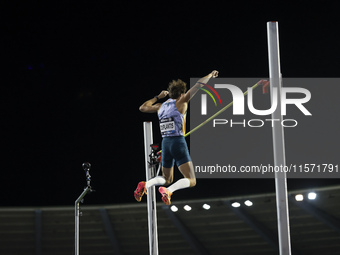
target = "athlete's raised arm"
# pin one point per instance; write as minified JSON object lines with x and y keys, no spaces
{"x":191,"y":92}
{"x":150,"y":106}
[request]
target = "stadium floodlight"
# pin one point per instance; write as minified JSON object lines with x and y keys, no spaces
{"x":299,"y":197}
{"x":236,"y":204}
{"x":187,"y":208}
{"x":174,"y":208}
{"x":248,"y":203}
{"x":206,"y":206}
{"x":311,"y":195}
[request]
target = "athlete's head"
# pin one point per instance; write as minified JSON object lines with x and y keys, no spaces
{"x":176,"y":88}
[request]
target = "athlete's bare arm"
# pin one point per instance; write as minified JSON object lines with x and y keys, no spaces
{"x":182,"y":102}
{"x":150,"y":106}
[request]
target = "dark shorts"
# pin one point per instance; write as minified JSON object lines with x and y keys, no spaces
{"x":174,"y":149}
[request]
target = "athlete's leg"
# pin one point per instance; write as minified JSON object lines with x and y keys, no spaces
{"x":166,"y":178}
{"x":167,"y":160}
{"x":143,"y":186}
{"x":181,"y":154}
{"x":168,"y":175}
{"x":167,"y":170}
{"x":187,"y":170}
{"x":189,"y":179}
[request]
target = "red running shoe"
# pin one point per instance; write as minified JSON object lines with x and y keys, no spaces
{"x":166,"y":195}
{"x":140,"y":191}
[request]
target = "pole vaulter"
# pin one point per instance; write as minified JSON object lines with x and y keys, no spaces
{"x":177,"y":103}
{"x":174,"y":148}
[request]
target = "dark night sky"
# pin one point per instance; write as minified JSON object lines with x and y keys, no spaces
{"x":74,"y":76}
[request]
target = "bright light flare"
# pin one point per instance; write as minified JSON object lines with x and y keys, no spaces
{"x":299,"y":197}
{"x":187,"y":208}
{"x":174,"y":208}
{"x":236,"y":204}
{"x":311,"y":195}
{"x":206,"y":206}
{"x":248,"y":203}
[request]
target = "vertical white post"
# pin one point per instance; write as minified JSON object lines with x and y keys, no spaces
{"x":278,"y":140}
{"x":76,"y":221}
{"x":76,"y":229}
{"x":151,"y":195}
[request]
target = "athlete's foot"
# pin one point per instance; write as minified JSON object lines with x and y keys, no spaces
{"x":166,"y":195}
{"x":140,"y":191}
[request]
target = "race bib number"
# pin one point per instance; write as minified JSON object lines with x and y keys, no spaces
{"x":167,"y":125}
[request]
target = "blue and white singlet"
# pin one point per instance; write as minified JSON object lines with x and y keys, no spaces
{"x":171,"y":121}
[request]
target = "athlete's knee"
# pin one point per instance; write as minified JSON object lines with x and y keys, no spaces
{"x":192,"y":182}
{"x":168,"y":179}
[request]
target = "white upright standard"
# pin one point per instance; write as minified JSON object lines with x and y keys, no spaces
{"x":151,"y":195}
{"x":278,"y":140}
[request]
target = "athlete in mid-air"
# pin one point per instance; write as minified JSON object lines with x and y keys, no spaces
{"x":174,"y":147}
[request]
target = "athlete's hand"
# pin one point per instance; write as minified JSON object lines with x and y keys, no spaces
{"x":214,"y":74}
{"x":163,"y":94}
